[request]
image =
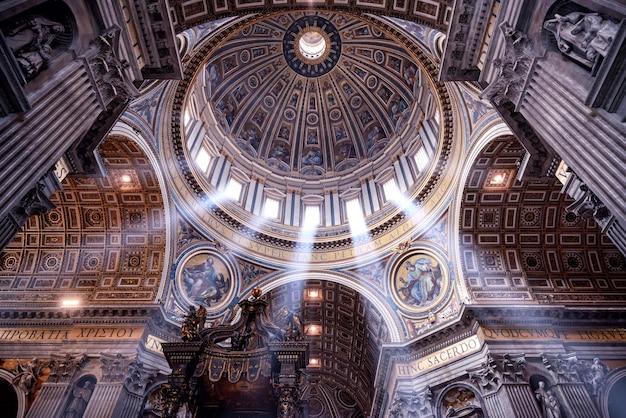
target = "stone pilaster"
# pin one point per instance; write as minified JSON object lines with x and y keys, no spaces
{"x":109,"y":387}
{"x":577,"y":402}
{"x":522,"y":396}
{"x":138,"y":379}
{"x":51,"y":396}
{"x":49,"y":400}
{"x":103,"y":400}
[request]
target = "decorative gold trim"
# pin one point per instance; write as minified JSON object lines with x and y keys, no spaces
{"x":296,"y":45}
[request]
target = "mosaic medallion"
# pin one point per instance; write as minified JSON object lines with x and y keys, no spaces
{"x":204,"y":277}
{"x":419,"y":281}
{"x":312,"y":46}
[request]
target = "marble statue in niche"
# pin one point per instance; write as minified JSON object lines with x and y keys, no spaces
{"x":30,"y":40}
{"x":548,"y":402}
{"x":79,"y":398}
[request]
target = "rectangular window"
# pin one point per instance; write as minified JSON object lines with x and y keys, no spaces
{"x":312,"y":216}
{"x":270,"y":210}
{"x":421,"y":159}
{"x":203,"y":159}
{"x":353,"y":210}
{"x":233,"y":189}
{"x":390,"y":189}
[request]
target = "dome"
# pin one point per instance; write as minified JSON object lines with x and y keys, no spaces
{"x":311,"y":112}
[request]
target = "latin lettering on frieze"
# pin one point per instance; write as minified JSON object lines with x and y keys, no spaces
{"x":439,"y":358}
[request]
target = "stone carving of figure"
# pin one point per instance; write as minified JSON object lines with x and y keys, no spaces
{"x":513,"y":368}
{"x":30,"y":41}
{"x":193,"y":323}
{"x":80,"y":399}
{"x":596,"y":375}
{"x":27,"y":374}
{"x":583,"y":36}
{"x":548,"y":403}
{"x":397,"y":407}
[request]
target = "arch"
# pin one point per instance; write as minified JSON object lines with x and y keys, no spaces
{"x":123,"y":128}
{"x":483,"y":138}
{"x":13,"y":401}
{"x":443,"y":404}
{"x":387,"y":313}
{"x":611,"y":400}
{"x":150,"y":403}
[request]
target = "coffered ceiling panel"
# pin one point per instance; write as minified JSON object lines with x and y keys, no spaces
{"x":103,"y":243}
{"x":518,"y":241}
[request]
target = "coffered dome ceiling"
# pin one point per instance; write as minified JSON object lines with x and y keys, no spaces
{"x":307,"y":118}
{"x":312,"y":104}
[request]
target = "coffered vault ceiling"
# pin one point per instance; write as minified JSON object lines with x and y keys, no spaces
{"x":104,"y":243}
{"x":519,"y":241}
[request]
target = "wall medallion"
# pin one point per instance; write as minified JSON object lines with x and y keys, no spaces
{"x":419,"y":281}
{"x":205,"y":277}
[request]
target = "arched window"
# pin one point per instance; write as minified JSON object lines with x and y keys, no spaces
{"x":8,"y":399}
{"x":79,"y":396}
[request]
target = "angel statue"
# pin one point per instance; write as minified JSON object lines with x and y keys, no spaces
{"x":193,"y":323}
{"x":290,"y":323}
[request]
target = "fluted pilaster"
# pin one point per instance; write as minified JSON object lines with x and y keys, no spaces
{"x":103,"y":400}
{"x":577,"y":401}
{"x":49,"y":400}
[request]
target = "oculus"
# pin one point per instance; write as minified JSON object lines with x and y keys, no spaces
{"x":312,"y":46}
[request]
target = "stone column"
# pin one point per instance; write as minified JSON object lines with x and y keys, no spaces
{"x":109,"y":387}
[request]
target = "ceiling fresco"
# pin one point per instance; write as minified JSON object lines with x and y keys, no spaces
{"x":518,"y":241}
{"x":104,"y":243}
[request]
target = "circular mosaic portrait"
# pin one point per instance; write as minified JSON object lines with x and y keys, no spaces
{"x":419,"y":281}
{"x":206,"y":278}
